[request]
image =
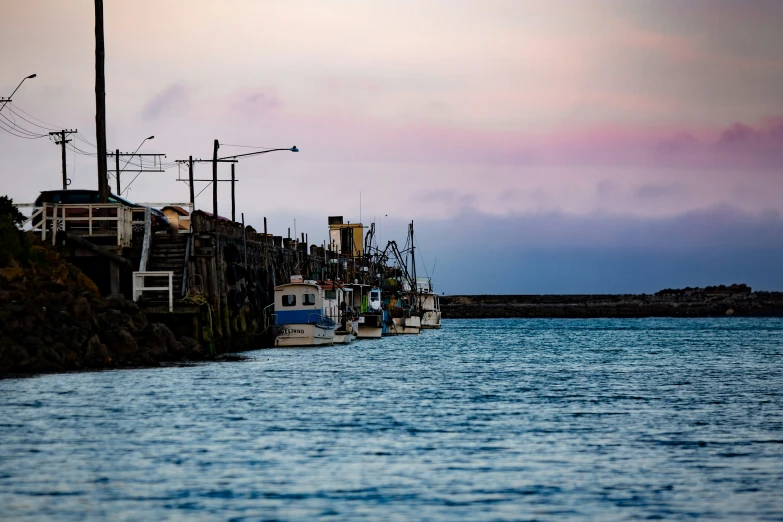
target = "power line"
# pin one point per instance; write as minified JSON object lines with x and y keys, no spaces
{"x":80,"y":137}
{"x":53,"y":127}
{"x":18,"y":128}
{"x":13,"y":111}
{"x":10,"y":129}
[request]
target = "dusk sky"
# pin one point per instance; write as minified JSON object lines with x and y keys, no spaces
{"x":540,"y":147}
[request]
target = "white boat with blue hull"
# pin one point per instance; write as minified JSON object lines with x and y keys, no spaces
{"x":299,"y":316}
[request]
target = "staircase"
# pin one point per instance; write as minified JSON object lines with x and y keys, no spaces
{"x":167,"y":253}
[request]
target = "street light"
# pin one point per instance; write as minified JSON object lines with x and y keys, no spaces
{"x":233,"y":180}
{"x":119,"y":192}
{"x":292,"y":149}
{"x":17,"y":88}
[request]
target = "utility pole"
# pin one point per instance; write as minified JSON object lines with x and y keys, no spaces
{"x":214,"y":182}
{"x":62,"y":134}
{"x":118,"y":171}
{"x":192,"y":189}
{"x":100,"y":104}
{"x":233,"y":195}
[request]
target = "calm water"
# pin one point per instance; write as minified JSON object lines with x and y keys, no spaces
{"x":493,"y":419}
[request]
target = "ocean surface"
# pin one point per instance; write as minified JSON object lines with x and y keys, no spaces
{"x":512,"y":419}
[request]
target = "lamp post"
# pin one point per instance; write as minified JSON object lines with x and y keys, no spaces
{"x":233,"y":180}
{"x":17,"y":88}
{"x":117,"y":160}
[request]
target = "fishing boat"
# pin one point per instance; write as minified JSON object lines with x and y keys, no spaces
{"x":336,"y":308}
{"x":367,"y":300}
{"x":429,"y":302}
{"x":300,"y":318}
{"x":403,"y":312}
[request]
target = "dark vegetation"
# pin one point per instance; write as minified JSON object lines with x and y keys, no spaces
{"x":53,"y":319}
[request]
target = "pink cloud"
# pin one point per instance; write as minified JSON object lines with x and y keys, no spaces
{"x":739,"y":144}
{"x":253,"y":102}
{"x":171,"y":100}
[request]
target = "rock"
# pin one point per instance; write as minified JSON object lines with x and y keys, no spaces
{"x":13,"y":357}
{"x":154,"y":339}
{"x":116,"y":302}
{"x":61,"y":275}
{"x":191,"y":346}
{"x":113,"y":319}
{"x":139,"y":321}
{"x":12,"y":274}
{"x":130,"y":307}
{"x":82,"y":309}
{"x":32,"y":343}
{"x":96,"y":354}
{"x":120,"y":342}
{"x":68,"y":357}
{"x":50,"y":354}
{"x":86,"y":283}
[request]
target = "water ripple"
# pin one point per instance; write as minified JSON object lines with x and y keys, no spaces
{"x":485,"y":419}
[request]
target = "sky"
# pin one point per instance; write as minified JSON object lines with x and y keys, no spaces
{"x":539,"y":147}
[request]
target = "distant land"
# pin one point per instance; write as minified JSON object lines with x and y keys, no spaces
{"x":712,"y":301}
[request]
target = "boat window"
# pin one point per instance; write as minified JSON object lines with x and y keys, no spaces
{"x":308,"y":299}
{"x":330,"y":294}
{"x":289,"y":300}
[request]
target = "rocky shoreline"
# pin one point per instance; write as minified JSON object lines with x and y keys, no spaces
{"x":53,"y":320}
{"x":736,"y":300}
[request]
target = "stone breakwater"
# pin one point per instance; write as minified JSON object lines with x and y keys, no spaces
{"x":52,"y":320}
{"x":681,"y":304}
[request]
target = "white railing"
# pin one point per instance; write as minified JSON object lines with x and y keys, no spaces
{"x":88,"y":219}
{"x":139,"y":288}
{"x":138,"y":211}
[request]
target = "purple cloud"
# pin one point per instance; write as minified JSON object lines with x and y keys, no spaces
{"x":172,"y":99}
{"x":254,"y":102}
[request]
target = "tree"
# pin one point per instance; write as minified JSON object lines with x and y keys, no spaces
{"x":12,"y":243}
{"x":7,"y":208}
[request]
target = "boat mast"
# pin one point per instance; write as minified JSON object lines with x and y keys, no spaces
{"x":413,"y":261}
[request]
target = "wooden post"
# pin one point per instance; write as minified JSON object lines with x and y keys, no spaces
{"x":100,"y":105}
{"x":233,"y":198}
{"x":215,"y":183}
{"x":192,"y":189}
{"x":117,"y":166}
{"x":244,"y":233}
{"x":65,"y":174}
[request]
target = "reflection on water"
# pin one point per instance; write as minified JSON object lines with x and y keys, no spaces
{"x":493,"y":419}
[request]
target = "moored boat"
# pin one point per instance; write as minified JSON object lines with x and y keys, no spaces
{"x":337,"y":308}
{"x":367,"y":300}
{"x":300,"y":319}
{"x":430,"y":304}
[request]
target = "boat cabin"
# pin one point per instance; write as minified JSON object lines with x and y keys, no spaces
{"x":298,"y":303}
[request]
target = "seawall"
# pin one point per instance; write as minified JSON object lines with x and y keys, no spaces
{"x":682,"y":304}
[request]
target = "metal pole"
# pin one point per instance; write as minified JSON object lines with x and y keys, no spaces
{"x":117,"y":166}
{"x":190,"y":176}
{"x":233,"y":198}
